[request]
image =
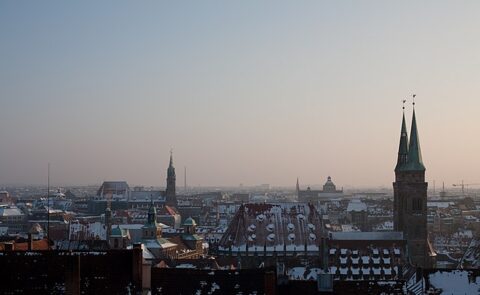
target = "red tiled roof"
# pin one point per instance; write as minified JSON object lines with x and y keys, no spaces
{"x":36,"y":245}
{"x":170,"y":210}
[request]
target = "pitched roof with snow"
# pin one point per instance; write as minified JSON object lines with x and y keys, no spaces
{"x":277,"y":226}
{"x":356,"y":206}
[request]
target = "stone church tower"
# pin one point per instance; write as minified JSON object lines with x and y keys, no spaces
{"x":171,"y":196}
{"x":410,"y":196}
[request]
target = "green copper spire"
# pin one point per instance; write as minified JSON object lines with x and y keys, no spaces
{"x":403,"y":146}
{"x":152,"y":214}
{"x":414,"y":160}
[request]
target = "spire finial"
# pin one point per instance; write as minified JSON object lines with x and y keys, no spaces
{"x":403,"y":104}
{"x":413,"y":98}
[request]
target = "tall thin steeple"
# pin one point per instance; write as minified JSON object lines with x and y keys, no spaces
{"x":171,"y":184}
{"x":297,"y":188}
{"x":414,"y":162}
{"x":403,"y":146}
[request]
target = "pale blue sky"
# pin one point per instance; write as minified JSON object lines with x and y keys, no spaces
{"x":244,"y":92}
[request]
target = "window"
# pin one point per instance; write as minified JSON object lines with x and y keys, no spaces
{"x":417,"y":204}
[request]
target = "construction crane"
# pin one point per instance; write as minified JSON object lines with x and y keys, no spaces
{"x":463,"y":185}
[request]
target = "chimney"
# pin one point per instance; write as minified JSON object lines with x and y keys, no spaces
{"x":72,"y":275}
{"x":30,"y":242}
{"x":137,"y":257}
{"x":9,"y":247}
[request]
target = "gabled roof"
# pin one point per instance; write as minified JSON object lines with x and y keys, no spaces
{"x":158,"y":243}
{"x":356,"y":206}
{"x":117,"y":187}
{"x":275,"y":226}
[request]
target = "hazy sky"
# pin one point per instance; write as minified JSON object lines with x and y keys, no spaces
{"x":249,"y":92}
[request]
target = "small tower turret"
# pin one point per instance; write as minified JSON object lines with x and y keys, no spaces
{"x":151,"y":229}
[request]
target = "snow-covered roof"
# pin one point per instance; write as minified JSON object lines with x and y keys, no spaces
{"x":367,"y":236}
{"x":87,"y":231}
{"x":277,"y":226}
{"x":10,"y":211}
{"x":455,"y":282}
{"x":441,"y":204}
{"x":356,"y":206}
{"x":158,"y":243}
{"x":146,"y":196}
{"x":185,"y":265}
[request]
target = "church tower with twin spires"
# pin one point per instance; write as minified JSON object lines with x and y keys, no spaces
{"x":410,"y":196}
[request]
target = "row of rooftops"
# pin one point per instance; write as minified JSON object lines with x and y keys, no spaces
{"x":365,"y":272}
{"x":373,"y":252}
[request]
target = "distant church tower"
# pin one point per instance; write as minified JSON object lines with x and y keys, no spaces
{"x":171,"y":197}
{"x":410,"y":196}
{"x":297,"y":188}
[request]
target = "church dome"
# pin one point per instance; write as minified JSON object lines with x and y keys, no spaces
{"x":329,"y":186}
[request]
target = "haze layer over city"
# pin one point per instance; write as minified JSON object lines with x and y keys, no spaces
{"x":210,"y":148}
{"x":244,"y":93}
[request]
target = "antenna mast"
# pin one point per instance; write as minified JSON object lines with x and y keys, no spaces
{"x":48,"y":204}
{"x":185,"y":180}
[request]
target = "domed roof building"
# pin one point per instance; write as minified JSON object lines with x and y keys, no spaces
{"x":329,"y":186}
{"x":329,"y":191}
